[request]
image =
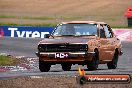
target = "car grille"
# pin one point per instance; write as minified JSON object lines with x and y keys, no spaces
{"x":62,"y":47}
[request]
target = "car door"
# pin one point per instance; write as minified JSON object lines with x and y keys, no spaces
{"x":107,"y":44}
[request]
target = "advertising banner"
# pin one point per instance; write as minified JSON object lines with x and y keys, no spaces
{"x":25,"y":31}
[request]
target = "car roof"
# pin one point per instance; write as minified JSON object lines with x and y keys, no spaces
{"x":83,"y":22}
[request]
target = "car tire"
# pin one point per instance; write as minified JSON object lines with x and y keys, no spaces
{"x":93,"y":65}
{"x":43,"y":66}
{"x":113,"y":63}
{"x":66,"y":67}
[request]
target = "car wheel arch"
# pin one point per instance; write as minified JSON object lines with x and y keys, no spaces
{"x":116,"y":51}
{"x":97,"y":51}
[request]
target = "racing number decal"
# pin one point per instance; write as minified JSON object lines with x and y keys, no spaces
{"x":61,"y":55}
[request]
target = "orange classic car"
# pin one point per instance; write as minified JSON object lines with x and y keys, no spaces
{"x":79,"y":42}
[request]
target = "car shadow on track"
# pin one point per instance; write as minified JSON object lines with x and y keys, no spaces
{"x":99,"y":69}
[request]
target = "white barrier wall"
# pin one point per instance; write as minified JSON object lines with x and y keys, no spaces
{"x":123,"y":34}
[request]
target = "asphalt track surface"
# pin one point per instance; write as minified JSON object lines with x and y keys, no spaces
{"x":28,"y":47}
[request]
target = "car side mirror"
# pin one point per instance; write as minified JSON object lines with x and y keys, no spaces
{"x":109,"y":28}
{"x":46,"y":35}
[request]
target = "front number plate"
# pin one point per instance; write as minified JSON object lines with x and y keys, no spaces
{"x":61,"y":55}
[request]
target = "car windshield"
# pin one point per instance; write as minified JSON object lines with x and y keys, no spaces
{"x":75,"y":30}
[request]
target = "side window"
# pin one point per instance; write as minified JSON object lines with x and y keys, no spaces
{"x":108,"y":33}
{"x":102,"y":32}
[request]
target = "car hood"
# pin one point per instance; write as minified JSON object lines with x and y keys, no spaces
{"x":65,"y":40}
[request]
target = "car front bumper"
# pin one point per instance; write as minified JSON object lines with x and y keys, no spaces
{"x":70,"y":53}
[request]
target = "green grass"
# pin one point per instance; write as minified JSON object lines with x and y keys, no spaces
{"x":121,"y":26}
{"x":48,"y":25}
{"x":26,"y":17}
{"x":6,"y":61}
{"x":36,"y":25}
{"x":40,"y":17}
{"x":52,"y":21}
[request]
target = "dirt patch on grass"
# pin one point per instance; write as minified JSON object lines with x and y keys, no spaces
{"x":54,"y":82}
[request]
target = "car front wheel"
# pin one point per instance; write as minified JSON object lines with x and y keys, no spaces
{"x":43,"y":66}
{"x":93,"y":65}
{"x":113,"y":63}
{"x":66,"y":67}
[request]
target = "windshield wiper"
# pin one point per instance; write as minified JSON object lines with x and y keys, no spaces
{"x":76,"y":35}
{"x":67,"y":35}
